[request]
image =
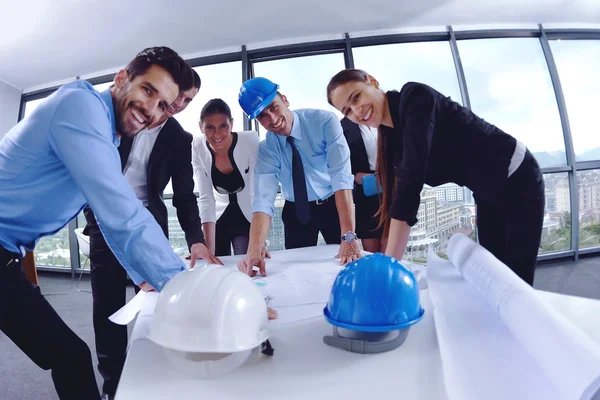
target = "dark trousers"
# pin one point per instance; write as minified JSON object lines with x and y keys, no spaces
{"x":323,"y":218}
{"x":512,"y":228}
{"x":33,"y":325}
{"x":232,"y":230}
{"x":225,"y":240}
{"x":109,"y":280}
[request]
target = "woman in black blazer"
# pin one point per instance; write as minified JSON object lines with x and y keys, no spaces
{"x":425,"y":137}
{"x":362,"y":141}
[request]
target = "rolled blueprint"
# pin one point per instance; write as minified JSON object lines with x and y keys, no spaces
{"x":567,"y":356}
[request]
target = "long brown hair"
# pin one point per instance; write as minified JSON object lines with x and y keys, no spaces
{"x":385,"y":158}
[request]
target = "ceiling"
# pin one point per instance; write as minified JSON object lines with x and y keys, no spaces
{"x":49,"y":42}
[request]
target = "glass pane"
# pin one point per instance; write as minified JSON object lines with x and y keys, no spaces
{"x":303,"y":80}
{"x":556,"y":233}
{"x":30,"y":106}
{"x":588,"y":183}
{"x":176,"y":234}
{"x":444,"y":210}
{"x":395,"y":64}
{"x":276,"y":237}
{"x":509,"y":86}
{"x":33,"y":104}
{"x":218,"y":81}
{"x":54,"y":250}
{"x":101,"y":87}
{"x":83,"y":259}
{"x":578,"y":64}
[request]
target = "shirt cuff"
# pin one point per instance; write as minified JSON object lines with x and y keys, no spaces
{"x":263,"y":206}
{"x":135,"y":277}
{"x":342,"y":182}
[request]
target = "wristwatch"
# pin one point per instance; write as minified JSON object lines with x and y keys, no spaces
{"x":349,"y":237}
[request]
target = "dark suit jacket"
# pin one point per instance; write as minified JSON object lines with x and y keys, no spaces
{"x":170,"y":159}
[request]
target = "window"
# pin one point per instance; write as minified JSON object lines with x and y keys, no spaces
{"x":509,"y":86}
{"x":588,"y":186}
{"x":393,"y":65}
{"x":176,"y":234}
{"x":303,"y":80}
{"x":54,"y":250}
{"x":30,"y":106}
{"x":101,"y":87}
{"x":218,"y":81}
{"x":556,"y":231}
{"x":83,"y":259}
{"x":578,"y":64}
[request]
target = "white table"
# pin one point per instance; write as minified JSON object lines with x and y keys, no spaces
{"x":303,"y":367}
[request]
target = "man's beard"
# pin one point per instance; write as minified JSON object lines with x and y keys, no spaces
{"x":121,"y":121}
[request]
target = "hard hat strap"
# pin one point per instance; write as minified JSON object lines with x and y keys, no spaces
{"x":266,"y":348}
{"x":364,"y":346}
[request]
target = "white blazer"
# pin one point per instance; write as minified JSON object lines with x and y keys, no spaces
{"x":212,"y":204}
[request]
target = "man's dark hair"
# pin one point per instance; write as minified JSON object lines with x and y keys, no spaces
{"x":197,"y":81}
{"x":166,"y":58}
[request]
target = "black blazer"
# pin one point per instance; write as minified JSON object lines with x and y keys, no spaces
{"x":170,"y":159}
{"x":435,"y":141}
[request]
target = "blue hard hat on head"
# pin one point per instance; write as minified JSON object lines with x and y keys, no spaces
{"x":255,"y":95}
{"x":374,"y":295}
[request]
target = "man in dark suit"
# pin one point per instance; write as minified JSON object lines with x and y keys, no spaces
{"x":160,"y":153}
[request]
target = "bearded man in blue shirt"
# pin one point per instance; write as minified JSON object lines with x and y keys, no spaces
{"x":54,"y":162}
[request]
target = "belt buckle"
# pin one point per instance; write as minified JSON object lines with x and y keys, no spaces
{"x":319,"y":202}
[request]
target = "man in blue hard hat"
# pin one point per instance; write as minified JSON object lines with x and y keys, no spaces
{"x":304,"y":150}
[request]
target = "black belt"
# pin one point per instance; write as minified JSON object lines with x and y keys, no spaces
{"x":319,"y":202}
{"x":7,"y":257}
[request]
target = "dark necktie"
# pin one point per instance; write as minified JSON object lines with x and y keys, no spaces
{"x":300,"y":193}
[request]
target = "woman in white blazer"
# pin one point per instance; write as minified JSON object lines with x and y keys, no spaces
{"x":223,"y":164}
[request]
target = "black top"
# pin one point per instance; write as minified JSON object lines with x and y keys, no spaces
{"x":232,"y":182}
{"x":435,"y":141}
{"x":359,"y":159}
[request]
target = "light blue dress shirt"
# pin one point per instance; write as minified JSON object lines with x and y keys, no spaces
{"x":320,"y":140}
{"x":63,"y":156}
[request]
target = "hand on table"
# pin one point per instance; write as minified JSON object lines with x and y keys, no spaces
{"x":254,"y":258}
{"x":272,"y":313}
{"x":265,"y":252}
{"x":348,"y":252}
{"x":199,"y":250}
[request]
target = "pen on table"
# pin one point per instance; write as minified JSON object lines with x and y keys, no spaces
{"x":268,"y":299}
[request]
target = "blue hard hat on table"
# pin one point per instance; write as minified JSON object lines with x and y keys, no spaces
{"x":255,"y":95}
{"x":376,"y":293}
{"x":373,"y":303}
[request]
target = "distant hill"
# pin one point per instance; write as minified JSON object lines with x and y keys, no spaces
{"x":589,"y":155}
{"x":556,"y":158}
{"x":550,"y":159}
